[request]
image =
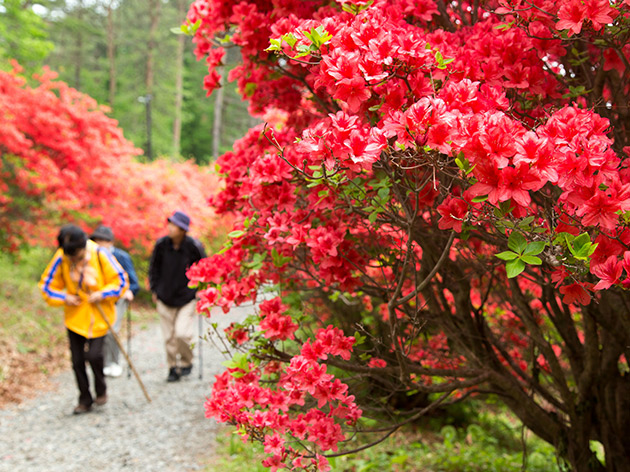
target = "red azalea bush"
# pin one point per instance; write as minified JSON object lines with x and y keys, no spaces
{"x":62,"y":159}
{"x":440,"y":199}
{"x":147,"y":193}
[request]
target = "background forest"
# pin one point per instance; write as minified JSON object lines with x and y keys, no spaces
{"x":124,"y":54}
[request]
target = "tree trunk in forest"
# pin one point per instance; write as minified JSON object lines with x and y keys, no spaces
{"x":111,"y":49}
{"x":154,"y":16}
{"x":179,"y":81}
{"x":78,"y":63}
{"x":217,"y":126}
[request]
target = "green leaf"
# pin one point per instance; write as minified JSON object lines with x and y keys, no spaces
{"x":598,"y":449}
{"x":278,"y":259}
{"x":479,"y":199}
{"x":349,"y":7}
{"x":249,"y":221}
{"x":290,"y":39}
{"x":504,"y":26}
{"x":533,"y":260}
{"x":517,"y":242}
{"x":515,"y":267}
{"x":581,"y":247}
{"x":318,"y":36}
{"x":358,"y":339}
{"x":236,"y":234}
{"x":581,"y":241}
{"x":256,"y":262}
{"x":373,"y":216}
{"x":535,"y":248}
{"x":303,"y":48}
{"x":506,"y":207}
{"x":224,"y":40}
{"x":383,"y":193}
{"x":355,"y":9}
{"x":441,"y":62}
{"x":250,"y":88}
{"x":275,"y":45}
{"x":524,"y":223}
{"x":563,"y":238}
{"x":227,"y":245}
{"x":507,"y":255}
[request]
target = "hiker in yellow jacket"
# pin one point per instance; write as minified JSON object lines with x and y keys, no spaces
{"x":79,"y":276}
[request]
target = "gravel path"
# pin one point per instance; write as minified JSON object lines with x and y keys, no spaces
{"x":127,"y":434}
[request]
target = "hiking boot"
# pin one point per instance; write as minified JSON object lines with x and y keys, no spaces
{"x":80,"y":409}
{"x":186,"y":370}
{"x":100,"y":401}
{"x":173,"y":375}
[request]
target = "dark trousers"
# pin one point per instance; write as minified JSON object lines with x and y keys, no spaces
{"x":87,"y":350}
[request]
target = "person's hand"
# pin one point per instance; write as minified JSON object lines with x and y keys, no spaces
{"x":95,"y":297}
{"x":128,"y":295}
{"x":72,"y":300}
{"x":154,"y":298}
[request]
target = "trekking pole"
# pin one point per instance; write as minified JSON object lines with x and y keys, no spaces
{"x":129,"y":338}
{"x":200,"y":350}
{"x":122,"y":349}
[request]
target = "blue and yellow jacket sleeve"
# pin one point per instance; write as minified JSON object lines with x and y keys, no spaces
{"x":115,"y":279}
{"x":127,"y":264}
{"x":52,"y":284}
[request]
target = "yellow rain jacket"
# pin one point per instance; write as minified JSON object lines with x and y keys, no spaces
{"x":101,"y":273}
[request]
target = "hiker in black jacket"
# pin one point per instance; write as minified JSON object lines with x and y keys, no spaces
{"x":172,"y":256}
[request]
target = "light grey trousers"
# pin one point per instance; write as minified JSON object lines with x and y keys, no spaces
{"x":178,"y":329}
{"x":112,"y":353}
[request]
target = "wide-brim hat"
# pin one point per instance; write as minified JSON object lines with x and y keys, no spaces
{"x":103,"y":233}
{"x":180,"y":219}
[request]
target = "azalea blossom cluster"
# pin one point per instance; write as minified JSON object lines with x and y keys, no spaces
{"x":240,"y":397}
{"x":61,"y":151}
{"x":446,"y":182}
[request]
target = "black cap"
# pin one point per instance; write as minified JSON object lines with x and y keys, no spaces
{"x":103,"y":233}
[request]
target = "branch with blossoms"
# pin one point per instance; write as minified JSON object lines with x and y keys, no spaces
{"x":447,"y":185}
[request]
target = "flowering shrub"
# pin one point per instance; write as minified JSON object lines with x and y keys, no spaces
{"x":62,"y":159}
{"x":441,"y":193}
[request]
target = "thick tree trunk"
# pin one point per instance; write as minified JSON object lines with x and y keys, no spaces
{"x":179,"y":81}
